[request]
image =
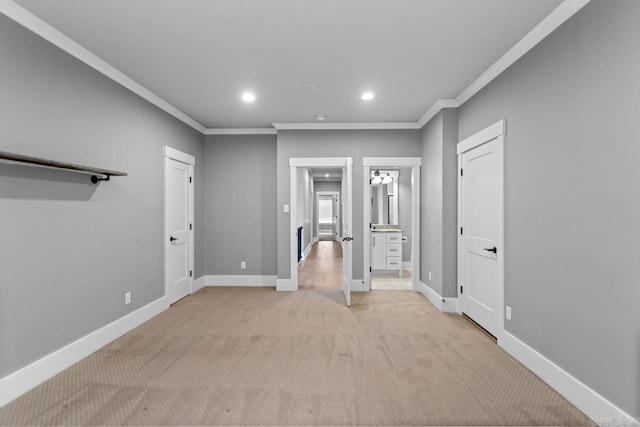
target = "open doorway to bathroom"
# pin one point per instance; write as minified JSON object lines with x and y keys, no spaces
{"x":391,"y":213}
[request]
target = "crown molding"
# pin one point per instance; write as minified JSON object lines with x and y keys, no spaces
{"x":240,"y":131}
{"x":435,"y":109}
{"x":28,"y":20}
{"x":559,"y":16}
{"x":345,"y":126}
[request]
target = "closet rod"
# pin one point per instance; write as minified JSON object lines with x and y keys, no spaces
{"x":106,"y":173}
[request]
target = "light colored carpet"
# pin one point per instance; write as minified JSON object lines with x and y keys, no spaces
{"x":253,"y":356}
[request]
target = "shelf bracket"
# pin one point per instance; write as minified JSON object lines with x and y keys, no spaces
{"x":95,"y":179}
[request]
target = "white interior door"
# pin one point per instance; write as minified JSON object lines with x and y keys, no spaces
{"x":481,"y":222}
{"x":347,"y":230}
{"x":178,"y":229}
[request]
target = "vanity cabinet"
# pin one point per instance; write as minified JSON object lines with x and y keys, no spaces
{"x":386,"y":251}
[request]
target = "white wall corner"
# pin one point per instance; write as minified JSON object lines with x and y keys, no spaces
{"x":198,"y":284}
{"x":16,"y":384}
{"x":435,"y":109}
{"x":285,"y":285}
{"x":237,"y":280}
{"x":584,"y":398}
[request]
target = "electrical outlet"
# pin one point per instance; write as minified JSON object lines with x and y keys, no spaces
{"x":429,"y":275}
{"x":127,"y":297}
{"x":507,"y":313}
{"x":286,"y":208}
{"x":243,"y":265}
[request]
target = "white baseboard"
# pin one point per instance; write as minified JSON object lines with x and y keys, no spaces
{"x":407,"y":265}
{"x":445,"y":305}
{"x":23,"y":380}
{"x":584,"y":398}
{"x":198,"y":284}
{"x":285,"y":285}
{"x":306,"y":251}
{"x":216,"y":280}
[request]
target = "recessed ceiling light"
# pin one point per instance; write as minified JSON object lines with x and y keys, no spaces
{"x":321,"y":117}
{"x":248,"y":97}
{"x":367,"y":96}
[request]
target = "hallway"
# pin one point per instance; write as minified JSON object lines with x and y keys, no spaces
{"x":321,"y":270}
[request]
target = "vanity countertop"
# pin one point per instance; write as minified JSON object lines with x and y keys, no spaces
{"x":385,"y":228}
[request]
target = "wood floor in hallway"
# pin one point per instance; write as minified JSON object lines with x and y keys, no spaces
{"x":321,"y":270}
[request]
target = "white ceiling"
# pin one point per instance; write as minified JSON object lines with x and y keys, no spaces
{"x":200,"y":55}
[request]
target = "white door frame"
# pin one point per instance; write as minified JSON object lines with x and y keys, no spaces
{"x":190,"y":160}
{"x":496,"y":131}
{"x":320,"y":194}
{"x":294,"y":164}
{"x":380,"y":162}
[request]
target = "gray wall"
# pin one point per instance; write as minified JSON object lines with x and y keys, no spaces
{"x":72,"y":249}
{"x":240,"y":204}
{"x":438,"y":209}
{"x":572,"y":205}
{"x":356,"y":144}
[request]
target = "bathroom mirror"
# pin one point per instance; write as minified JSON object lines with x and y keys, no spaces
{"x":384,"y":197}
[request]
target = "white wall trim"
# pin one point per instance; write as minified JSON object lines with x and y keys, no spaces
{"x":241,"y":131}
{"x":285,"y":285}
{"x":445,"y":305}
{"x":317,"y":162}
{"x":174,"y":154}
{"x":440,"y":104}
{"x":23,"y":380}
{"x":562,"y":13}
{"x":392,"y":161}
{"x":487,"y":134}
{"x":307,"y":250}
{"x":572,"y":389}
{"x":47,"y":32}
{"x":198,"y":284}
{"x":237,"y":280}
{"x":346,"y":126}
{"x":407,"y":265}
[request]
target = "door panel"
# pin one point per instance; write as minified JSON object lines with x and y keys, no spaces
{"x":177,"y":176}
{"x":347,"y":230}
{"x":481,"y":221}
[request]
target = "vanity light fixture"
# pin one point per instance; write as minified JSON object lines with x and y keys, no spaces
{"x":248,"y":97}
{"x":367,"y":96}
{"x":381,"y":178}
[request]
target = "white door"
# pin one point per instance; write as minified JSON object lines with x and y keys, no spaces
{"x":481,"y":222}
{"x":347,"y":230}
{"x":336,"y":216}
{"x":178,"y":226}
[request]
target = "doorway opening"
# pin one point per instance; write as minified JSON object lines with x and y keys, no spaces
{"x":391,"y":209}
{"x":321,"y":267}
{"x":304,"y":217}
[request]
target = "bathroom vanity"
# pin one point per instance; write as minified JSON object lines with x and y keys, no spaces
{"x":386,"y":248}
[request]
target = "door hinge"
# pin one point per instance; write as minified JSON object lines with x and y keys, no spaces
{"x":190,"y":273}
{"x":461,"y":230}
{"x":461,"y":172}
{"x":370,"y":271}
{"x":190,"y":179}
{"x":461,"y":288}
{"x":190,"y":226}
{"x":369,"y":225}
